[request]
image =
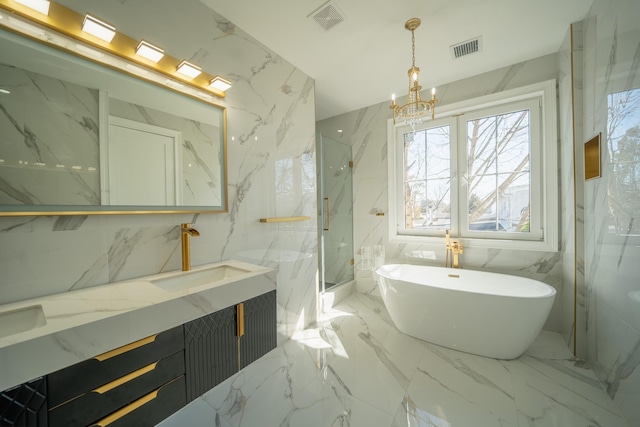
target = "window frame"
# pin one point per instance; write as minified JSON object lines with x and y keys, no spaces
{"x":545,"y":195}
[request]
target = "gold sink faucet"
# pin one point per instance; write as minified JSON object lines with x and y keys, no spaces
{"x":455,"y":248}
{"x":186,"y":231}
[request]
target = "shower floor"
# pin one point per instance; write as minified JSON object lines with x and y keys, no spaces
{"x":356,"y":369}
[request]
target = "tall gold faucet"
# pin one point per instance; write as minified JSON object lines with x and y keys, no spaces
{"x":186,"y":231}
{"x":455,"y":248}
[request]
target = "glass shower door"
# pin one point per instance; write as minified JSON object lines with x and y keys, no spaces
{"x":335,"y":192}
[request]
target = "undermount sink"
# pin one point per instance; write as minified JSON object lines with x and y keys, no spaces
{"x":21,"y":320}
{"x":193,"y":279}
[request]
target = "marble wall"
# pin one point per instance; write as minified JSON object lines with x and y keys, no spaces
{"x":611,"y":84}
{"x":366,"y":130}
{"x":270,"y":116}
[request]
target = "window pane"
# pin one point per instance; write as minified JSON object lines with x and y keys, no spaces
{"x":514,"y":202}
{"x":623,"y":143}
{"x":427,"y":177}
{"x":499,"y":190}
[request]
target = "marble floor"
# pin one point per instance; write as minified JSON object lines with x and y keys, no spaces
{"x":358,"y":370}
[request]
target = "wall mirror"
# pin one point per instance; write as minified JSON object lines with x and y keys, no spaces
{"x":77,"y":137}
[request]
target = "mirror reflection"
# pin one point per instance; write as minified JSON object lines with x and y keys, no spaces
{"x":77,"y":136}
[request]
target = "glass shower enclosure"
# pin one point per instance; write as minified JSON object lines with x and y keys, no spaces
{"x":335,"y":212}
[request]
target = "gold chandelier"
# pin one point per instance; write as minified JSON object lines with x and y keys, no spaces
{"x":415,"y":110}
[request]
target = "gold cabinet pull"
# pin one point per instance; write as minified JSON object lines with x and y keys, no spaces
{"x":240,"y":319}
{"x":120,"y":350}
{"x":125,"y":379}
{"x":115,"y":416}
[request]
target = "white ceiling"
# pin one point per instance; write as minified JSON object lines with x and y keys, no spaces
{"x":364,"y":59}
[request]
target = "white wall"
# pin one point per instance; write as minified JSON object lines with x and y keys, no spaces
{"x":270,"y":116}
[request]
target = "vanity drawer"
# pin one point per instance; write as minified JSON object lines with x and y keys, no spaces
{"x":83,"y":377}
{"x":98,"y":403}
{"x":150,"y":409}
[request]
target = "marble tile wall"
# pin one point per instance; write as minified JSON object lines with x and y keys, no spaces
{"x":366,"y":130}
{"x":612,"y":203}
{"x":270,"y":116}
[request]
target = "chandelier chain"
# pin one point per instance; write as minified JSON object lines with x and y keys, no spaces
{"x":413,"y":48}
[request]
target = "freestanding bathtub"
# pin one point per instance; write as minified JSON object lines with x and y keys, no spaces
{"x":487,"y":314}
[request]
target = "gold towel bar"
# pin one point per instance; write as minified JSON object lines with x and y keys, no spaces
{"x":286,"y":219}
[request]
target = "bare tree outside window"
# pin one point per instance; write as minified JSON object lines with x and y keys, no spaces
{"x":499,"y":194}
{"x":623,"y":143}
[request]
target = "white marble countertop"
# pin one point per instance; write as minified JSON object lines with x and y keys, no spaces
{"x":83,"y":323}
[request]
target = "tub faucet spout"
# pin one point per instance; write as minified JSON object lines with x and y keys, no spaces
{"x":453,"y":250}
{"x":186,"y":231}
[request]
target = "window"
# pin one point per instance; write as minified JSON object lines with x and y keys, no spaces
{"x":486,"y":171}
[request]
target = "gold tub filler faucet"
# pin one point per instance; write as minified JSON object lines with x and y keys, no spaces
{"x":186,"y":231}
{"x":455,"y":248}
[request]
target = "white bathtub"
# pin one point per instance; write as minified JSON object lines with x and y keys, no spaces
{"x":488,"y":314}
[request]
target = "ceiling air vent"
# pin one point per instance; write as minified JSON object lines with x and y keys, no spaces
{"x":328,"y":15}
{"x":466,"y":48}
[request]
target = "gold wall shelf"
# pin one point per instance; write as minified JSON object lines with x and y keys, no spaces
{"x":286,"y":219}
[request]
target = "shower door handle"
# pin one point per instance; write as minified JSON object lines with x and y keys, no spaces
{"x":327,"y":210}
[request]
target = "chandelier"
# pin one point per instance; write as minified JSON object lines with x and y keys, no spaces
{"x":415,"y":110}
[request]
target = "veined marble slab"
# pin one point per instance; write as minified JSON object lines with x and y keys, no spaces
{"x":84,"y":323}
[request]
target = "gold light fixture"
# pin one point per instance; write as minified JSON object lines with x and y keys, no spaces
{"x":414,"y":111}
{"x":98,"y":28}
{"x":35,"y":19}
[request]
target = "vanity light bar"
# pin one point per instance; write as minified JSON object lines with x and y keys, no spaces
{"x":149,"y":51}
{"x":98,"y":28}
{"x":220,"y":83}
{"x":35,"y":18}
{"x":41,"y":6}
{"x":189,"y":69}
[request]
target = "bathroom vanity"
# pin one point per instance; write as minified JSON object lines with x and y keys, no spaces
{"x":133,"y":352}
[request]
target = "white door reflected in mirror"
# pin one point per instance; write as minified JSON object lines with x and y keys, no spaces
{"x":142,"y":165}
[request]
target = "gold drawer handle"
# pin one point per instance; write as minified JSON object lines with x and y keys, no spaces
{"x":115,"y":416}
{"x":125,"y":379}
{"x":120,"y":350}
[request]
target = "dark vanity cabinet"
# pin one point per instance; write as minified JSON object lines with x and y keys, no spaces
{"x":144,"y":382}
{"x":220,"y":344}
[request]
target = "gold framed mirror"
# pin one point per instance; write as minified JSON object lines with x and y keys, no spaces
{"x":84,"y":131}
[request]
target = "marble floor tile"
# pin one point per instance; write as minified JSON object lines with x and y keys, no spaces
{"x":356,"y":369}
{"x":461,"y":389}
